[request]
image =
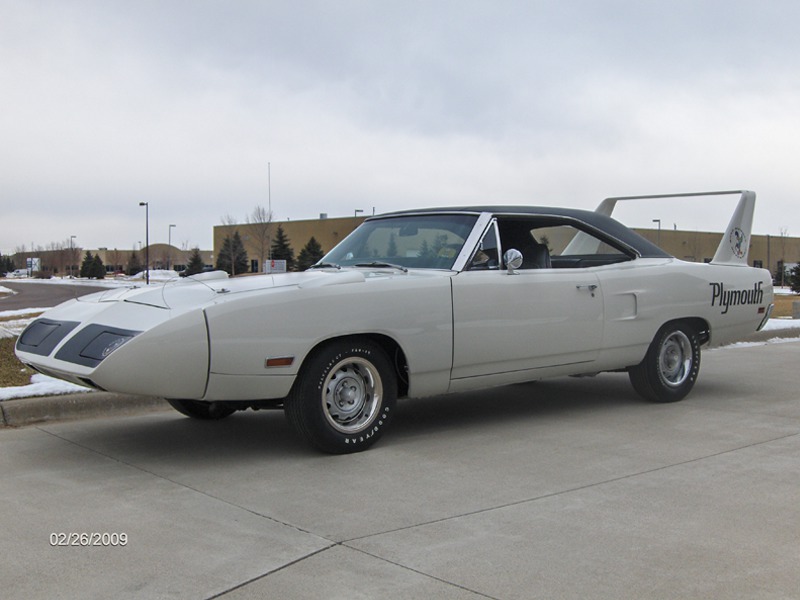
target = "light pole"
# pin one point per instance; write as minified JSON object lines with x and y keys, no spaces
{"x":169,"y":243}
{"x":71,"y":255}
{"x":358,"y":210}
{"x":658,"y":242}
{"x":146,"y":240}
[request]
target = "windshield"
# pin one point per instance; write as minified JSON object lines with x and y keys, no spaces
{"x":413,"y":241}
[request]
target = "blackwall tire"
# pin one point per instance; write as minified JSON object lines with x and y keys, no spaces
{"x":344,"y":397}
{"x":206,"y":411}
{"x":671,"y":365}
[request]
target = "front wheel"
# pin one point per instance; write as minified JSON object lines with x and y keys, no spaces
{"x":344,"y":397}
{"x":671,"y":365}
{"x":206,"y":411}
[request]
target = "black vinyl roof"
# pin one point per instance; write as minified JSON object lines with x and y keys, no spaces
{"x":594,"y":220}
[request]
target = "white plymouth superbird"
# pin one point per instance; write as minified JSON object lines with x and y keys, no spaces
{"x":415,"y":303}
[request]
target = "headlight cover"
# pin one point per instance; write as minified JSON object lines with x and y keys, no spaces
{"x":43,"y":335}
{"x":94,"y":343}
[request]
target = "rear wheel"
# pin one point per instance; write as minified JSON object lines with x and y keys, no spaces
{"x":344,"y":397}
{"x":207,"y":411}
{"x":671,"y":365}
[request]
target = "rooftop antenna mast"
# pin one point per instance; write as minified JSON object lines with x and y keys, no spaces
{"x":269,"y":213}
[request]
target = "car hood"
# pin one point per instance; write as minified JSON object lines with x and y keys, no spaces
{"x":208,"y":287}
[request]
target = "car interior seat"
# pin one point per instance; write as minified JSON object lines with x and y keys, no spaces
{"x":535,"y":256}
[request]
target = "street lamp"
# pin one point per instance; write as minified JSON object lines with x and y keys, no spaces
{"x":658,"y":242}
{"x":358,"y":210}
{"x":169,"y":243}
{"x":71,"y":255}
{"x":146,"y":240}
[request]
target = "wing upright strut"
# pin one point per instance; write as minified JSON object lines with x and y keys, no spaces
{"x":735,"y":244}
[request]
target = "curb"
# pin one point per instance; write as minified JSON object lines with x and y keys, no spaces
{"x":70,"y":407}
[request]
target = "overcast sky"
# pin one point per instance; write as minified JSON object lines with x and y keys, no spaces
{"x":388,"y":105}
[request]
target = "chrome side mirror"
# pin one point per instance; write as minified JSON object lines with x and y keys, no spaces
{"x":513,"y":260}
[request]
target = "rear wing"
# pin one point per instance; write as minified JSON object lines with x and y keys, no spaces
{"x":735,"y":244}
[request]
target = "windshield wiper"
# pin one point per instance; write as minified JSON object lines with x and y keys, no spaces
{"x":383,"y":265}
{"x":324,"y":266}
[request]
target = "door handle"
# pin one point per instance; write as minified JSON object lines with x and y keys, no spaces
{"x":591,"y":287}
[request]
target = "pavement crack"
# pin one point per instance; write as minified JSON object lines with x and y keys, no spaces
{"x":271,"y":572}
{"x":418,"y":572}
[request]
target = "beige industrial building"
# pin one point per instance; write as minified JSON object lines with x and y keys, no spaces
{"x":257,"y":238}
{"x":695,"y":246}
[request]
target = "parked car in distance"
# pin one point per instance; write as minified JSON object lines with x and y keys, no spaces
{"x":415,"y":303}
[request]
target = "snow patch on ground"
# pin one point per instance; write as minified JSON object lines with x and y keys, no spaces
{"x":41,"y":385}
{"x":13,"y":327}
{"x":782,"y":324}
{"x":156,"y":275}
{"x":776,"y":340}
{"x":160,"y":275}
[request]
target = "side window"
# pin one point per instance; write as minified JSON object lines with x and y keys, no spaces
{"x":557,"y":243}
{"x":523,"y":235}
{"x":487,"y":256}
{"x":571,"y":247}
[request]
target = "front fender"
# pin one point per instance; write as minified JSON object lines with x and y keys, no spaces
{"x":170,"y":360}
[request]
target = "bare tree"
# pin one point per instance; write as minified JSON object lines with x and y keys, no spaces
{"x":784,"y":234}
{"x":260,"y":227}
{"x":114,"y":259}
{"x":58,"y":256}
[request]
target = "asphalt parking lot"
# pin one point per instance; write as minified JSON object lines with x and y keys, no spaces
{"x":570,"y":488}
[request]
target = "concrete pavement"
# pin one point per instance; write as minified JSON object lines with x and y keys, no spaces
{"x":570,"y":488}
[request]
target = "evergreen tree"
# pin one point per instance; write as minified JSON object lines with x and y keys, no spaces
{"x":134,"y":266}
{"x":233,"y":257}
{"x":6,"y":265}
{"x":281,"y":250}
{"x":98,"y":268}
{"x":196,"y":264}
{"x":86,"y":265}
{"x":310,"y":254}
{"x":240,"y":261}
{"x":794,"y":278}
{"x":424,"y":250}
{"x":224,"y":256}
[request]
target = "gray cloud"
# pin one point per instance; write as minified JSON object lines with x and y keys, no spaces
{"x":392,"y":105}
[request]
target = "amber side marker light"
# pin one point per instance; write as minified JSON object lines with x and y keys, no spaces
{"x":281,"y":361}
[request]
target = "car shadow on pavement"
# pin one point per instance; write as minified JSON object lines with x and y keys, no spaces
{"x":530,"y":401}
{"x":254,"y":436}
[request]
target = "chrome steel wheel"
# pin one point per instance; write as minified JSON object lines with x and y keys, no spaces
{"x":344,"y":396}
{"x":669,"y":369}
{"x":675,"y":359}
{"x":352,"y":394}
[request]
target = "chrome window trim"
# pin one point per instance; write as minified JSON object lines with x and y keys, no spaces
{"x":471,"y":244}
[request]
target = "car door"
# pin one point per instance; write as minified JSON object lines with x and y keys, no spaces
{"x":518,"y":323}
